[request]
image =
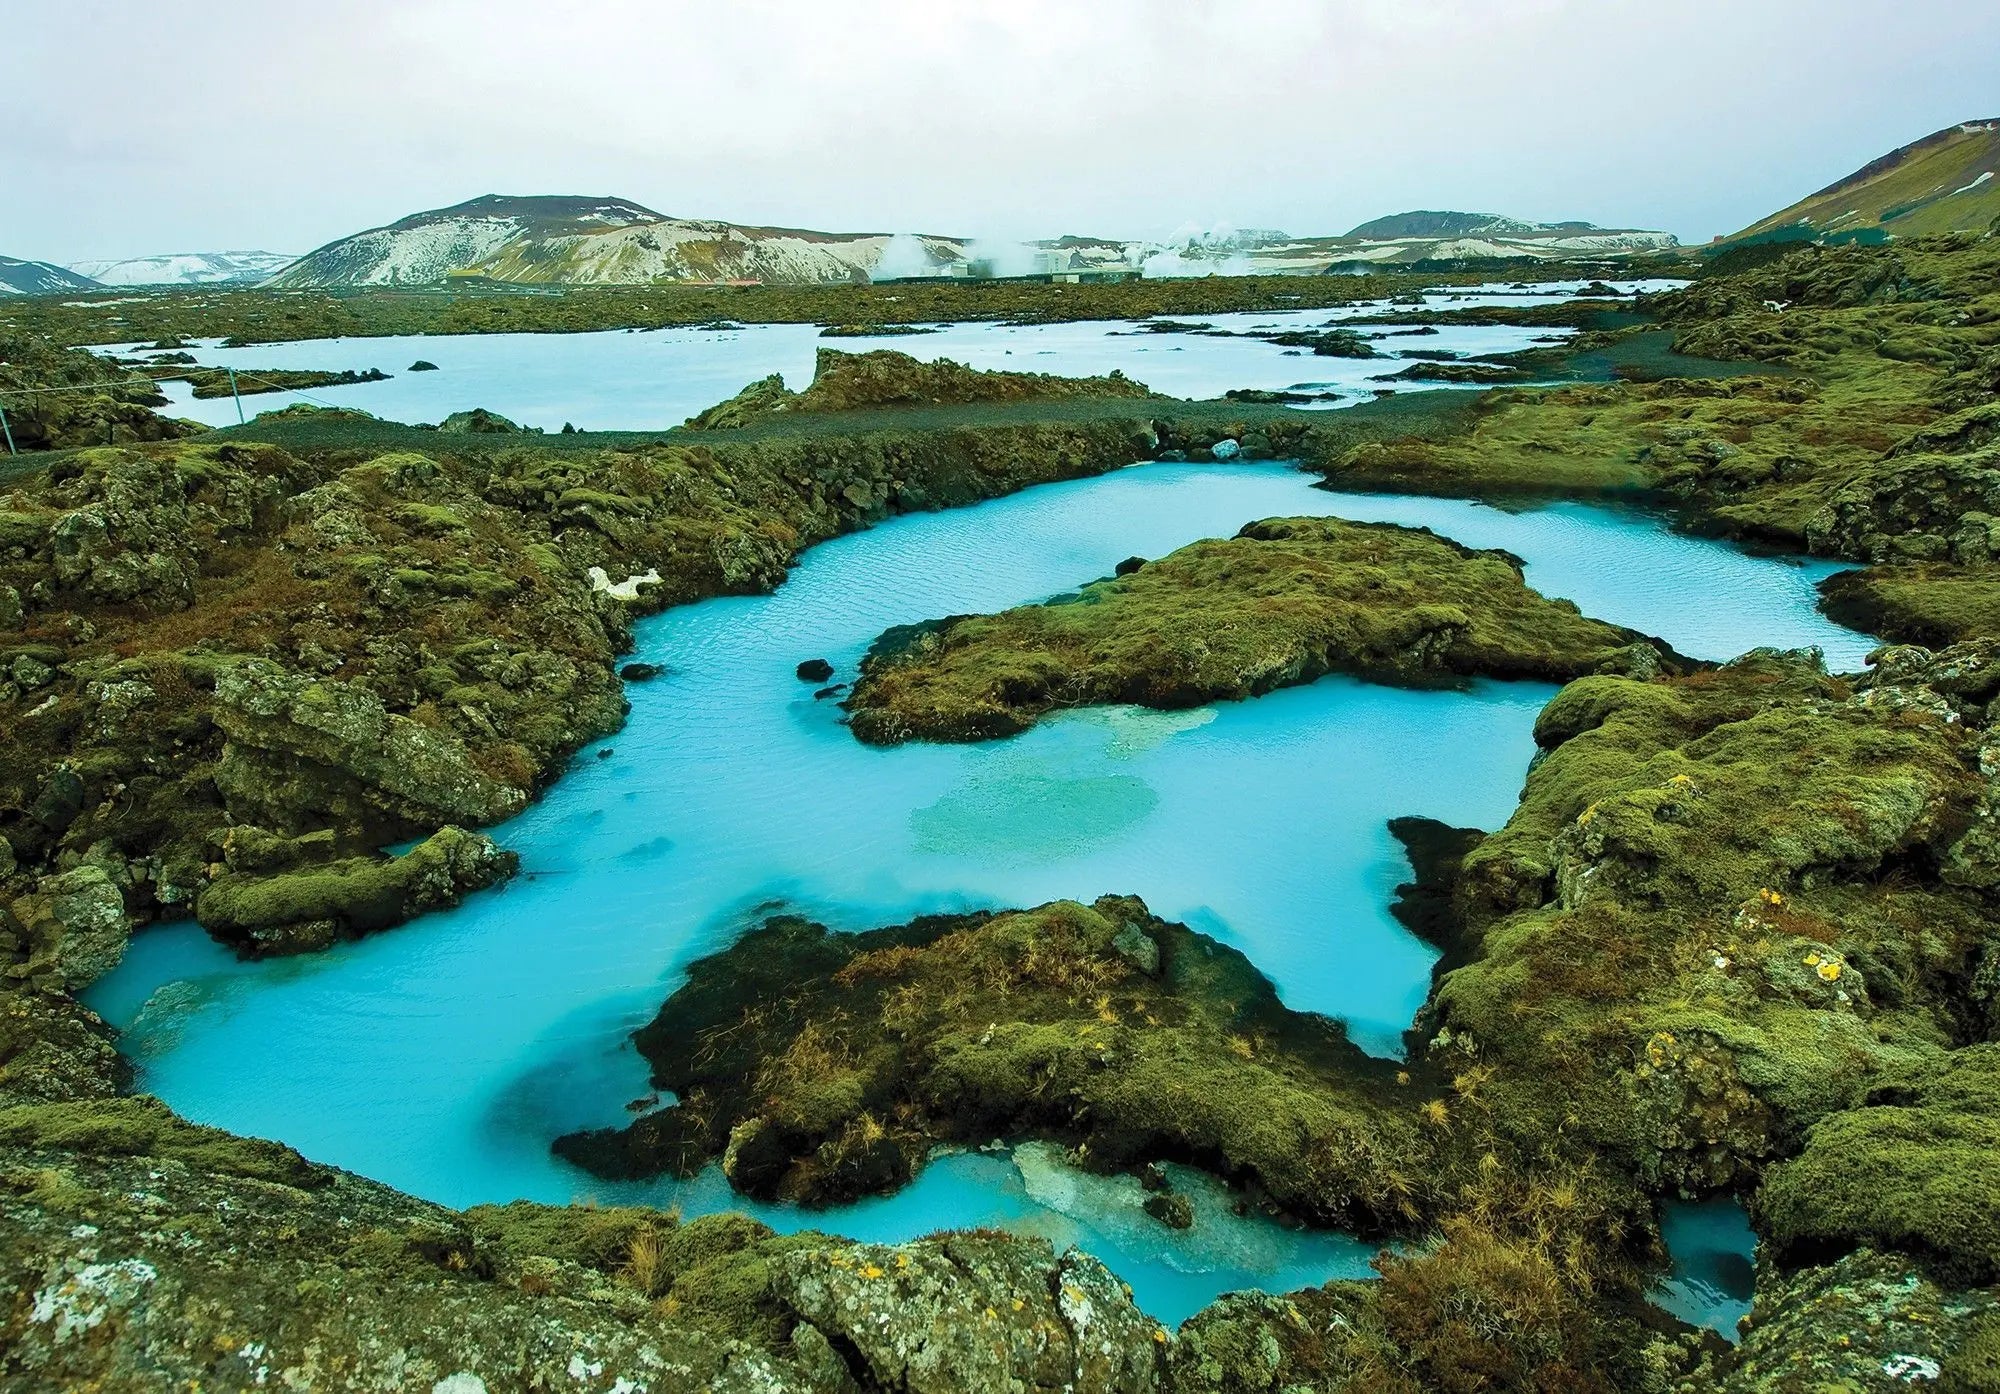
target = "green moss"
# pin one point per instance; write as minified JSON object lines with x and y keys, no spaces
{"x":1916,"y":1168}
{"x":1285,"y":601}
{"x":1702,"y":930}
{"x":144,"y":1127}
{"x":1974,"y":1368}
{"x":595,"y":1237}
{"x":24,"y":530}
{"x":1932,"y":604}
{"x":428,"y":517}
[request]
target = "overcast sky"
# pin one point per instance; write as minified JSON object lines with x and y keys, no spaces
{"x":130,"y":127}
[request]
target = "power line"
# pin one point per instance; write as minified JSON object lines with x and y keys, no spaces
{"x":7,"y":430}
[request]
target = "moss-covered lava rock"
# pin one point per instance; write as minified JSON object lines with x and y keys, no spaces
{"x":1285,"y":601}
{"x":301,"y":907}
{"x":820,"y":1067}
{"x":886,"y":378}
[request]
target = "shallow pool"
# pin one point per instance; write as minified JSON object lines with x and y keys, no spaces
{"x":1714,"y":1254}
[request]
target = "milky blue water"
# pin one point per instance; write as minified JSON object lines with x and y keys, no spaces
{"x":1714,"y":1269}
{"x":619,"y":380}
{"x":443,"y":1056}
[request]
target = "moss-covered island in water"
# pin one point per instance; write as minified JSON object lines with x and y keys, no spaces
{"x":1285,"y":601}
{"x":1739,"y":936}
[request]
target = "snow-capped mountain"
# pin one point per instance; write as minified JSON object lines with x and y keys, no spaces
{"x":558,"y":239}
{"x":39,"y":277}
{"x":185,"y":268}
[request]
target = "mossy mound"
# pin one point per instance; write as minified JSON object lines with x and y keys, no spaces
{"x":1936,"y":604}
{"x":1915,"y":1167}
{"x":1285,"y":601}
{"x":145,"y":1127}
{"x":1870,"y":1322}
{"x":478,"y":422}
{"x":141,"y":1253}
{"x":886,"y":378}
{"x":1915,"y":508}
{"x":1725,"y":903}
{"x":819,"y":1067}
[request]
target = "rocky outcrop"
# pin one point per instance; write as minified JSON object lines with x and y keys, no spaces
{"x":755,"y":401}
{"x":1066,"y":1325}
{"x":126,"y":528}
{"x":304,"y":752}
{"x":1914,"y":1168}
{"x":75,"y":929}
{"x":103,"y":403}
{"x":478,"y":422}
{"x":1871,"y":1323}
{"x":301,"y":908}
{"x":1915,"y":508}
{"x":1732,"y":891}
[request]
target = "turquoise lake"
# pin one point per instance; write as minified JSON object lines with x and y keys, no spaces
{"x":442,"y":1057}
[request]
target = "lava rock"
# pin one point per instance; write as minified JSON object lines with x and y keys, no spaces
{"x":478,"y":422}
{"x":422,"y":365}
{"x":640,"y":672}
{"x":815,"y":670}
{"x":1175,"y":1212}
{"x":60,"y":801}
{"x":311,"y":907}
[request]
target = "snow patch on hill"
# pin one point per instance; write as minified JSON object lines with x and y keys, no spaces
{"x":18,"y":277}
{"x":184,"y":268}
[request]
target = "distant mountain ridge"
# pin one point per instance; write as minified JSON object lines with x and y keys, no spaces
{"x":564,"y":239}
{"x":19,"y":277}
{"x":1432,"y":223}
{"x":570,"y":239}
{"x":1947,"y":182}
{"x":185,"y":268}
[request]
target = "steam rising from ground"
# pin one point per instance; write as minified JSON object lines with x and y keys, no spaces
{"x":1193,"y":250}
{"x":905,"y":255}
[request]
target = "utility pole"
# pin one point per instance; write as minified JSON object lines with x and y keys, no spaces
{"x":8,"y":431}
{"x":237,"y":395}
